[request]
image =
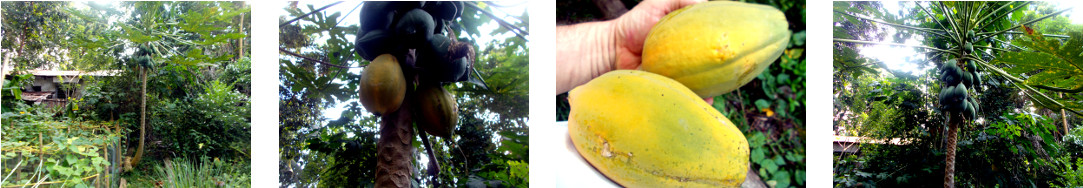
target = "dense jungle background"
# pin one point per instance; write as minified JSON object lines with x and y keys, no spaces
{"x":894,"y":125}
{"x":119,"y":94}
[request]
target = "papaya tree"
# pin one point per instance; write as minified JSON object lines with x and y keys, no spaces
{"x":404,"y":71}
{"x":969,"y":44}
{"x":180,"y":36}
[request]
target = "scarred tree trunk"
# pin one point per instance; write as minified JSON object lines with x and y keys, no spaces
{"x":395,"y":150}
{"x":949,"y":169}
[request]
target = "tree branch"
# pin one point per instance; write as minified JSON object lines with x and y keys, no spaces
{"x":930,"y":13}
{"x":928,"y":30}
{"x":888,"y":43}
{"x":1002,"y":15}
{"x":1025,"y":23}
{"x":499,"y":20}
{"x":283,"y":50}
{"x":306,"y":14}
{"x":1020,"y":33}
{"x":434,"y":167}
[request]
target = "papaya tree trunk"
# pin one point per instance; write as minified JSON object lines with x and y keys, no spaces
{"x":240,"y":43}
{"x":1063,"y":117}
{"x":395,"y":150}
{"x":142,"y":117}
{"x":949,"y":169}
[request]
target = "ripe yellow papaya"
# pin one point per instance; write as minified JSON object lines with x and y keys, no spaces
{"x":437,"y":109}
{"x":715,"y":47}
{"x":642,"y":129}
{"x":382,"y":85}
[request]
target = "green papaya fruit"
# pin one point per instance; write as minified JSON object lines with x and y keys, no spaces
{"x":374,"y":43}
{"x":960,"y":93}
{"x":968,"y":47}
{"x":954,"y":97}
{"x":944,"y":94}
{"x":971,"y":66}
{"x":977,"y":79}
{"x":437,"y":110}
{"x":376,"y":15}
{"x":415,"y":28}
{"x":440,"y":44}
{"x":951,"y":74}
{"x":441,"y":11}
{"x":970,"y":34}
{"x":436,"y":65}
{"x":968,"y":79}
{"x":968,"y":110}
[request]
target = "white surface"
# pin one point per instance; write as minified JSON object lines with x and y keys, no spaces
{"x":573,"y":170}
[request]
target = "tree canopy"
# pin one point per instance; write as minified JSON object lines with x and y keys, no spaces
{"x":327,"y":139}
{"x":1024,"y":55}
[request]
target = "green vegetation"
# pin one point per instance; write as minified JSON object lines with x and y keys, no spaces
{"x":1012,"y":125}
{"x":328,"y":139}
{"x":139,"y":83}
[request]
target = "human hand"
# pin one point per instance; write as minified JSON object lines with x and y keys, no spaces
{"x":588,"y":50}
{"x":632,"y":28}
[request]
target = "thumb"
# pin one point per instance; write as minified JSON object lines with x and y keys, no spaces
{"x":634,"y":26}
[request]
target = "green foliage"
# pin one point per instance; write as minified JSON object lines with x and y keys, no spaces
{"x":771,"y":109}
{"x":187,"y":46}
{"x":900,"y":100}
{"x":1014,"y":149}
{"x":1070,"y":172}
{"x":11,"y":92}
{"x":30,"y":30}
{"x":1071,"y":175}
{"x":36,"y":147}
{"x":182,"y":172}
{"x":213,"y":123}
{"x":1008,"y":143}
{"x":337,"y":152}
{"x":1049,"y":63}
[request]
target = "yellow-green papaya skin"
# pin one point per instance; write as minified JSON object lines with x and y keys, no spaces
{"x":716,"y":47}
{"x":383,"y":86}
{"x":437,"y":110}
{"x":641,"y":129}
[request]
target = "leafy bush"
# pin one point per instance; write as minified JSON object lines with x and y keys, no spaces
{"x":214,"y":123}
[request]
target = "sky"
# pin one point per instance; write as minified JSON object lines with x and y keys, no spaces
{"x":895,"y":56}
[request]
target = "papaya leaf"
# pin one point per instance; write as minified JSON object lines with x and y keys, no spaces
{"x":1057,"y":64}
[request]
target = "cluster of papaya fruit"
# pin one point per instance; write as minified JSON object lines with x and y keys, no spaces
{"x":410,"y":42}
{"x":651,"y":127}
{"x":954,"y":95}
{"x":956,"y":77}
{"x":142,"y":56}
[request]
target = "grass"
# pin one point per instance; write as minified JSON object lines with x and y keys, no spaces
{"x":206,"y":172}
